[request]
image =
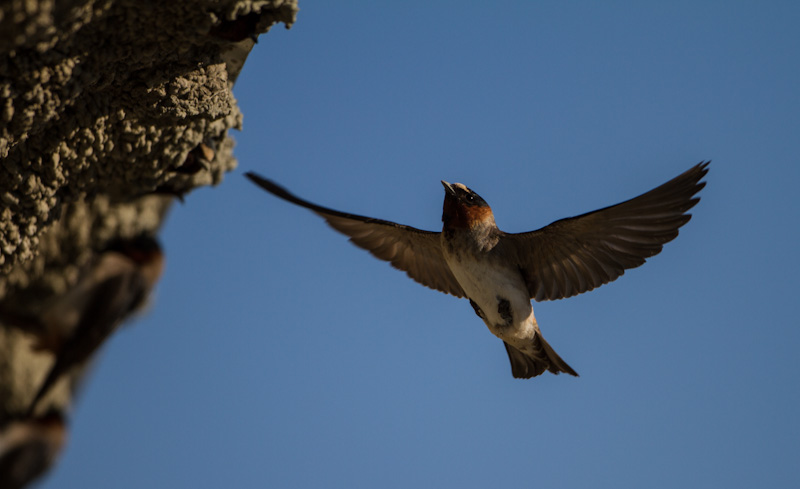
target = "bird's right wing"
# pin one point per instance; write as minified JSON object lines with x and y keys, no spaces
{"x":416,"y":252}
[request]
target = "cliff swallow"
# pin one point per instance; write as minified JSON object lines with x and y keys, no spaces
{"x":29,"y":447}
{"x":198,"y":159}
{"x":78,"y":322}
{"x":499,"y":273}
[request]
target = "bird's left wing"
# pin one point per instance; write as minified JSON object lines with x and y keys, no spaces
{"x":416,"y":252}
{"x":578,"y":254}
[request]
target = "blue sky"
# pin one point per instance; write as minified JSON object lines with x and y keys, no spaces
{"x":276,"y":354}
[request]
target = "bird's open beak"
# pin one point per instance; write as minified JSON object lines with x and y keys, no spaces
{"x":449,"y":188}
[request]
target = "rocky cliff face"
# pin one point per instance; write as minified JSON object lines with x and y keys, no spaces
{"x":109,"y":111}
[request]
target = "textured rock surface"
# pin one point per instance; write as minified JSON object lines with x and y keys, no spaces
{"x":108,"y":98}
{"x":103,"y":108}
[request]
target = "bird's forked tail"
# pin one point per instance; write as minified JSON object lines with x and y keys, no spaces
{"x":538,"y":357}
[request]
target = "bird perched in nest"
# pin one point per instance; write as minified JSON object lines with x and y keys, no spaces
{"x":499,"y":273}
{"x":29,"y":447}
{"x":75,"y":324}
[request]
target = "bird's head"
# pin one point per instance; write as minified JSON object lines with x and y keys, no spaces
{"x":141,"y":249}
{"x":463,"y":208}
{"x":144,"y":252}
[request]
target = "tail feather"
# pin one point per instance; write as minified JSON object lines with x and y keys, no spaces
{"x":541,"y":357}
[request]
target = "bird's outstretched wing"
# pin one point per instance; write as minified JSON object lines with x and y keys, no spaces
{"x":416,"y":252}
{"x":577,"y":254}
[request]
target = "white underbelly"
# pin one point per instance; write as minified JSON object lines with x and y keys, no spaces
{"x":488,"y":286}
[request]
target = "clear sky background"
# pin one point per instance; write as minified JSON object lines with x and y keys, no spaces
{"x":276,"y":354}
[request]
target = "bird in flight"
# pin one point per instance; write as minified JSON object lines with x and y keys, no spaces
{"x":499,"y":273}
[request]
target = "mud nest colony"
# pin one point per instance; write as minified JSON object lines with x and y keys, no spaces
{"x":110,"y":110}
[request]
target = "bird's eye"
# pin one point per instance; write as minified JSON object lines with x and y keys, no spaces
{"x":470,"y":198}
